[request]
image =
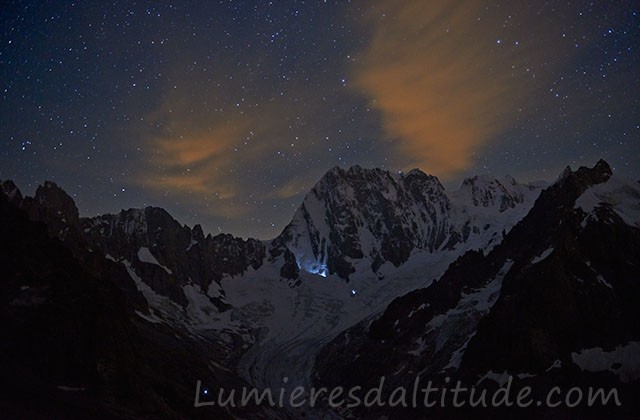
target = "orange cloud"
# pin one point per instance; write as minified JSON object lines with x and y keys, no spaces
{"x":444,"y":82}
{"x":199,"y":161}
{"x":209,"y":154}
{"x":192,"y":153}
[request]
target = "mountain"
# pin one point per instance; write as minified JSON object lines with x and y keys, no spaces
{"x":377,"y":216}
{"x":170,"y":257}
{"x":361,"y":238}
{"x":377,"y":274}
{"x":147,"y":241}
{"x":355,"y":219}
{"x":556,"y":300}
{"x":72,"y":343}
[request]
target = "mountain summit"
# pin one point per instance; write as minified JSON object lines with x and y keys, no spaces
{"x":372,"y":215}
{"x":378,"y":274}
{"x":554,"y":301}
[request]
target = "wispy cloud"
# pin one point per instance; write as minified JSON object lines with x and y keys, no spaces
{"x":220,"y":151}
{"x":447,"y":77}
{"x":197,"y":161}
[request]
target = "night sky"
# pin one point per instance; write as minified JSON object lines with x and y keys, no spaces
{"x":226,"y":113}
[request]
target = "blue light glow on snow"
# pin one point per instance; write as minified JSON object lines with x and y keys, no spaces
{"x":316,"y":267}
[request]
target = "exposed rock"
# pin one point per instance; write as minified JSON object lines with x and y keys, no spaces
{"x":561,"y":281}
{"x":178,"y":256}
{"x":382,"y":217}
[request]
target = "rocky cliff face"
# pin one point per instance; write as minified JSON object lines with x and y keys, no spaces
{"x":57,"y":212}
{"x":73,"y":343}
{"x":349,"y":217}
{"x":486,"y":191}
{"x":358,"y":213}
{"x":12,"y":193}
{"x":52,"y":206}
{"x":165,"y":255}
{"x":544,"y":292}
{"x":555,"y":300}
{"x":376,"y":216}
{"x":168,"y":256}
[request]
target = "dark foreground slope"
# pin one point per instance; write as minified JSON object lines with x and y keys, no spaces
{"x":71,"y":346}
{"x":555,"y":304}
{"x":118,"y":316}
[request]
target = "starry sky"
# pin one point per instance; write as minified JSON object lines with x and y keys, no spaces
{"x":226,"y":113}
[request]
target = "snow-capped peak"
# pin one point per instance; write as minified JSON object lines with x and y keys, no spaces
{"x":619,"y":194}
{"x":375,"y":215}
{"x":487,"y":191}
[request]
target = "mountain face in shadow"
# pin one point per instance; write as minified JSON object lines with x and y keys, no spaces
{"x":554,"y":303}
{"x":72,"y":344}
{"x":378,"y":274}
